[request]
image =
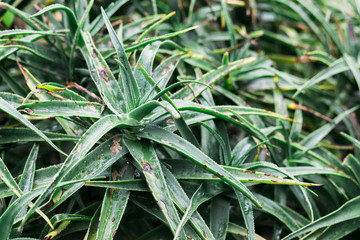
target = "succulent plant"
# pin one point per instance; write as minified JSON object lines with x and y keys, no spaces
{"x":155,"y":128}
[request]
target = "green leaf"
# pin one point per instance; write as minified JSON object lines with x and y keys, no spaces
{"x":303,"y":171}
{"x":88,"y":140}
{"x":95,"y":162}
{"x":189,"y":93}
{"x":224,"y":110}
{"x":240,"y":102}
{"x":138,"y":185}
{"x":8,"y":217}
{"x":15,"y":135}
{"x":62,"y":109}
{"x":23,"y":15}
{"x":163,"y":72}
{"x":73,"y":24}
{"x":225,"y":113}
{"x":13,"y":99}
{"x":289,"y":217}
{"x":220,"y":140}
{"x":98,"y":22}
{"x":186,"y":170}
{"x":336,"y":231}
{"x":351,"y":139}
{"x":304,"y":16}
{"x":114,"y":202}
{"x":242,"y":150}
{"x":147,"y":41}
{"x":146,"y":60}
{"x":335,"y":67}
{"x":147,"y":108}
{"x":103,"y":77}
{"x":247,"y":213}
{"x":240,"y":231}
{"x":180,"y":123}
{"x":354,"y":166}
{"x":12,"y":83}
{"x":350,"y":210}
{"x":219,"y":217}
{"x":228,"y":21}
{"x":317,"y":14}
{"x":6,"y":107}
{"x":25,"y":238}
{"x":42,"y":177}
{"x":129,"y":84}
{"x":92,"y":230}
{"x":186,"y":206}
{"x":316,"y":136}
{"x":14,"y":32}
{"x":169,"y":88}
{"x":154,"y":25}
{"x":7,"y":178}
{"x":27,"y":178}
{"x":92,"y":166}
{"x":145,"y":156}
{"x":184,"y":147}
{"x":37,"y":49}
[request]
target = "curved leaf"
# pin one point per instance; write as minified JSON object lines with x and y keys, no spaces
{"x":350,"y":210}
{"x":184,"y":147}
{"x":88,"y":140}
{"x":70,"y":14}
{"x":103,"y":77}
{"x":8,"y":217}
{"x":145,"y":156}
{"x":6,"y":107}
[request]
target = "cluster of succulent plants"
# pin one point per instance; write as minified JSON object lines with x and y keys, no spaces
{"x":179,"y":119}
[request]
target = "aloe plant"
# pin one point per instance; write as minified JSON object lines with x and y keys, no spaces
{"x":131,"y":128}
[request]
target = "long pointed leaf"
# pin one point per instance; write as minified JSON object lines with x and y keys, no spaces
{"x":73,"y":24}
{"x":350,"y":210}
{"x":98,"y":22}
{"x":62,"y":108}
{"x":313,"y":138}
{"x":184,"y":147}
{"x":248,"y":214}
{"x":103,"y":77}
{"x":114,"y":203}
{"x":146,"y":60}
{"x":211,"y":77}
{"x":88,"y":140}
{"x":183,"y":204}
{"x":8,"y":217}
{"x":335,"y":67}
{"x":16,"y":135}
{"x":219,"y":217}
{"x":130,"y":87}
{"x":6,"y":107}
{"x":145,"y":156}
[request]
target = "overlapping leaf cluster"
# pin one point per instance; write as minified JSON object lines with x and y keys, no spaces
{"x":133,"y":121}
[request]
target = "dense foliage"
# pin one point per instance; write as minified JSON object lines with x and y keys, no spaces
{"x":179,"y":119}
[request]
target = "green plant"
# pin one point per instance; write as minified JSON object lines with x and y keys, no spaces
{"x":146,"y":124}
{"x":314,"y":49}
